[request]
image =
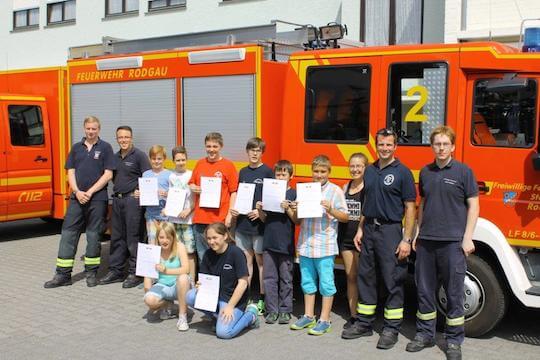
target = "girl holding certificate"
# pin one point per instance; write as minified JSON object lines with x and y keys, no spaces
{"x":173,"y":280}
{"x":228,"y":262}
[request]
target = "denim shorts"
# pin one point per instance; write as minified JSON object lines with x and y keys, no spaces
{"x":249,"y":242}
{"x":162,"y":292}
{"x":321,"y":270}
{"x":185,"y":235}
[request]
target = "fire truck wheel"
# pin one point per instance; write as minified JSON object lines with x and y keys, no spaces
{"x":485,"y":299}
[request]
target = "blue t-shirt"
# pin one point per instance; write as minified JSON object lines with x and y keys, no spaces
{"x":90,"y":165}
{"x":445,"y":192}
{"x":253,"y":176}
{"x":154,"y":212}
{"x":279,"y":230}
{"x":386,"y":191}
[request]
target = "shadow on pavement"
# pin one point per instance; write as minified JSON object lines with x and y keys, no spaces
{"x":24,"y":229}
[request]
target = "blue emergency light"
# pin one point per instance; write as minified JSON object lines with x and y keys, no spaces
{"x":531,"y":40}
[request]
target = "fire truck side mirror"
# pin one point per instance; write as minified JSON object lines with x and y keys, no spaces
{"x":536,"y":161}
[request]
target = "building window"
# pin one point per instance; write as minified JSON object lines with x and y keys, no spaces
{"x":165,"y":4}
{"x":26,"y":18}
{"x":504,"y":112}
{"x":417,"y":100}
{"x":117,"y":7}
{"x":25,"y":125}
{"x":337,"y":104}
{"x":59,"y":12}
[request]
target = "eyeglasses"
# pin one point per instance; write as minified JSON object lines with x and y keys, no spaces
{"x":386,"y":132}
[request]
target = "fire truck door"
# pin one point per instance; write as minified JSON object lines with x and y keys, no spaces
{"x":500,"y":140}
{"x":28,"y":160}
{"x":3,"y":168}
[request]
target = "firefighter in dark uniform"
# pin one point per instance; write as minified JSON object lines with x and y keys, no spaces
{"x":390,"y":195}
{"x":90,"y":166}
{"x":128,"y":224}
{"x":447,"y":216}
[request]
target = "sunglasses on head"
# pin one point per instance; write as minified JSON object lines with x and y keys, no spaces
{"x":386,"y":132}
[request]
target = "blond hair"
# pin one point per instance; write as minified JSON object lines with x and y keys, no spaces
{"x":155,"y":150}
{"x":170,"y":232}
{"x":322,"y":161}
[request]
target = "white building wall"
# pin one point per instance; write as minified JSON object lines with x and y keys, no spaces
{"x":48,"y":45}
{"x":498,"y":20}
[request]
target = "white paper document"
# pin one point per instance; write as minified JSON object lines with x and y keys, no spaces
{"x":273,"y":194}
{"x":207,"y":293}
{"x":309,"y":197}
{"x":148,"y":256}
{"x":148,"y":188}
{"x":210,"y":192}
{"x":176,"y":198}
{"x":244,"y":198}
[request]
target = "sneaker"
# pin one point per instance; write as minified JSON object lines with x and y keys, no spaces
{"x":453,"y":351}
{"x":304,"y":322}
{"x":419,"y":343}
{"x":321,"y":328}
{"x":261,"y":307}
{"x":252,"y":308}
{"x":91,"y":279}
{"x":152,"y":316}
{"x":169,"y":312}
{"x":355,"y":331}
{"x":387,"y":340}
{"x":271,"y":318}
{"x":58,"y":280}
{"x":182,"y":324}
{"x":284,"y":318}
{"x":349,"y":322}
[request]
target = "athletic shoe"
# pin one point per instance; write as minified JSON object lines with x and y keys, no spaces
{"x":284,"y":318}
{"x":169,"y":312}
{"x":419,"y":343}
{"x":304,"y":322}
{"x":271,"y":318}
{"x":182,"y":324}
{"x":321,"y":328}
{"x":261,"y":307}
{"x":252,"y":308}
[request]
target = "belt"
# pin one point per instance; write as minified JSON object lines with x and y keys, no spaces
{"x":123,"y":195}
{"x":379,"y":221}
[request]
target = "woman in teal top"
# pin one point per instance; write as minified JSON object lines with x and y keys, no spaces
{"x":173,"y":279}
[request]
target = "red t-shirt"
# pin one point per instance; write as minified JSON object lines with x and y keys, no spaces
{"x":223,"y":169}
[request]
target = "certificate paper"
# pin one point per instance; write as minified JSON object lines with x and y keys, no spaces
{"x":309,"y":197}
{"x":210,"y":192}
{"x":273,"y":194}
{"x":148,"y":256}
{"x":207,"y":293}
{"x":148,"y":188}
{"x":176,"y":198}
{"x":244,"y":198}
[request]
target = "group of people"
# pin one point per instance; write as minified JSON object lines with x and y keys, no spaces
{"x":372,"y":222}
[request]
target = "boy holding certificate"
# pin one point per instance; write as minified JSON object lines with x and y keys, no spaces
{"x":278,"y":248}
{"x":317,"y":248}
{"x":214,"y":168}
{"x":249,"y":228}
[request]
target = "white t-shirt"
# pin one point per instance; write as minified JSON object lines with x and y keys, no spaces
{"x":180,"y":180}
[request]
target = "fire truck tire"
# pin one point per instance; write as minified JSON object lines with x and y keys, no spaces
{"x":493,"y":303}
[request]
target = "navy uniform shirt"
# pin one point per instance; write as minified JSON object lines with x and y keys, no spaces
{"x":229,"y":266}
{"x":386,"y":190}
{"x":253,"y":176}
{"x":90,"y":165}
{"x":129,"y":169}
{"x":279,"y":230}
{"x":445,"y":192}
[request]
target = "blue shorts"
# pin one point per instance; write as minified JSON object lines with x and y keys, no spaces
{"x":163,"y":292}
{"x":249,"y":242}
{"x":321,"y":270}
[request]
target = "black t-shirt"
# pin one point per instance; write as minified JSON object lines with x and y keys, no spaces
{"x":445,"y":192}
{"x":279,"y":230}
{"x":229,"y":266}
{"x":90,"y":165}
{"x":129,"y":169}
{"x":253,"y":176}
{"x":354,"y":206}
{"x":386,"y":190}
